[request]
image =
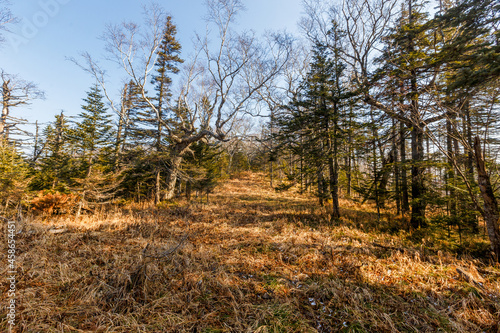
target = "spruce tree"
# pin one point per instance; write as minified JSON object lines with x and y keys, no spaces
{"x":57,"y":166}
{"x":405,"y":67}
{"x":166,"y":64}
{"x":94,"y":132}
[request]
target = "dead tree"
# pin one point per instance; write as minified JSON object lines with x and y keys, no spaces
{"x":15,"y":92}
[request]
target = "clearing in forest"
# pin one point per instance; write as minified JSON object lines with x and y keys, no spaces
{"x":250,"y":260}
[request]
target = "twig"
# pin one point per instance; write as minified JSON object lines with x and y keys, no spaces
{"x":167,"y":252}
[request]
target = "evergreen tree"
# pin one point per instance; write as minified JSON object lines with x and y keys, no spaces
{"x":166,"y":64}
{"x":98,"y":179}
{"x":201,"y":168}
{"x":57,"y":167}
{"x":14,"y":175}
{"x":311,"y":125}
{"x":94,"y":133}
{"x":405,"y":68}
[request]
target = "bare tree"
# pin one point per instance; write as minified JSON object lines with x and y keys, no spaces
{"x":218,"y":83}
{"x":15,"y":92}
{"x":280,"y":91}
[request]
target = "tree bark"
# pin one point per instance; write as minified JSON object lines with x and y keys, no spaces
{"x":333,"y":165}
{"x":418,"y":203}
{"x":491,"y":212}
{"x":384,"y":178}
{"x":158,"y":187}
{"x":396,"y":168}
{"x":5,"y":109}
{"x":171,"y":178}
{"x":450,"y":174}
{"x":405,"y":205}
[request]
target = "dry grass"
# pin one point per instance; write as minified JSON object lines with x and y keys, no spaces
{"x":253,"y":261}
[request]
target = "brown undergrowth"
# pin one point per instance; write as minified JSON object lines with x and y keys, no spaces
{"x":252,"y":260}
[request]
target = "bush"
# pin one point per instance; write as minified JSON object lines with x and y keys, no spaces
{"x":53,"y":203}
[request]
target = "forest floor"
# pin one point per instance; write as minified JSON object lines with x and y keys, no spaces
{"x":251,"y":260}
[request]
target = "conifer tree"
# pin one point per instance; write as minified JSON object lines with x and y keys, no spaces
{"x":311,"y":124}
{"x":405,"y":66}
{"x":14,"y":175}
{"x":166,"y":64}
{"x":93,"y":133}
{"x":57,"y":166}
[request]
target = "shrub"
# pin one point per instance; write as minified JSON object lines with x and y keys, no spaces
{"x":53,"y":203}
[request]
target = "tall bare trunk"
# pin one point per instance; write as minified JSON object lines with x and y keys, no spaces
{"x":5,"y":109}
{"x":333,"y":164}
{"x":174,"y":165}
{"x":405,"y":204}
{"x":418,"y":203}
{"x":450,"y":174}
{"x":471,"y":218}
{"x":384,"y":177}
{"x":491,"y":212}
{"x":396,"y":168}
{"x":157,"y":187}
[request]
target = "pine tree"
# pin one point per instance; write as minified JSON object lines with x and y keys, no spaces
{"x":152,"y":118}
{"x":94,"y":133}
{"x":311,"y":125}
{"x":14,"y":175}
{"x":98,"y":179}
{"x":57,"y":166}
{"x":405,"y":66}
{"x":202,"y":168}
{"x":166,"y":64}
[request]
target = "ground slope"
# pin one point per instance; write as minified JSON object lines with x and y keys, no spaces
{"x":251,"y":260}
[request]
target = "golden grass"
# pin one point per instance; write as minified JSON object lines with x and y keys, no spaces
{"x":253,"y":261}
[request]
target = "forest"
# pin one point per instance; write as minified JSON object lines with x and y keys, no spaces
{"x":342,"y":180}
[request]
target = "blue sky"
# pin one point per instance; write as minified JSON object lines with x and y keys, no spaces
{"x":50,"y":31}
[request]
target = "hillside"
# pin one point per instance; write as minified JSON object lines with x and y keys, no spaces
{"x":250,"y":260}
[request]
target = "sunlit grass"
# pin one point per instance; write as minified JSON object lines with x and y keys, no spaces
{"x":251,"y":260}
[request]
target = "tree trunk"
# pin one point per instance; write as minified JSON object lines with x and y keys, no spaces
{"x":171,"y":178}
{"x":321,"y":190}
{"x":491,"y":213}
{"x":396,"y":168}
{"x":188,"y":190}
{"x":418,"y":203}
{"x":333,"y":165}
{"x":5,"y":109}
{"x":471,"y":218}
{"x":334,"y":184}
{"x":158,"y":187}
{"x":405,"y":205}
{"x":349,"y":153}
{"x":450,"y":174}
{"x":271,"y":171}
{"x":384,"y":178}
